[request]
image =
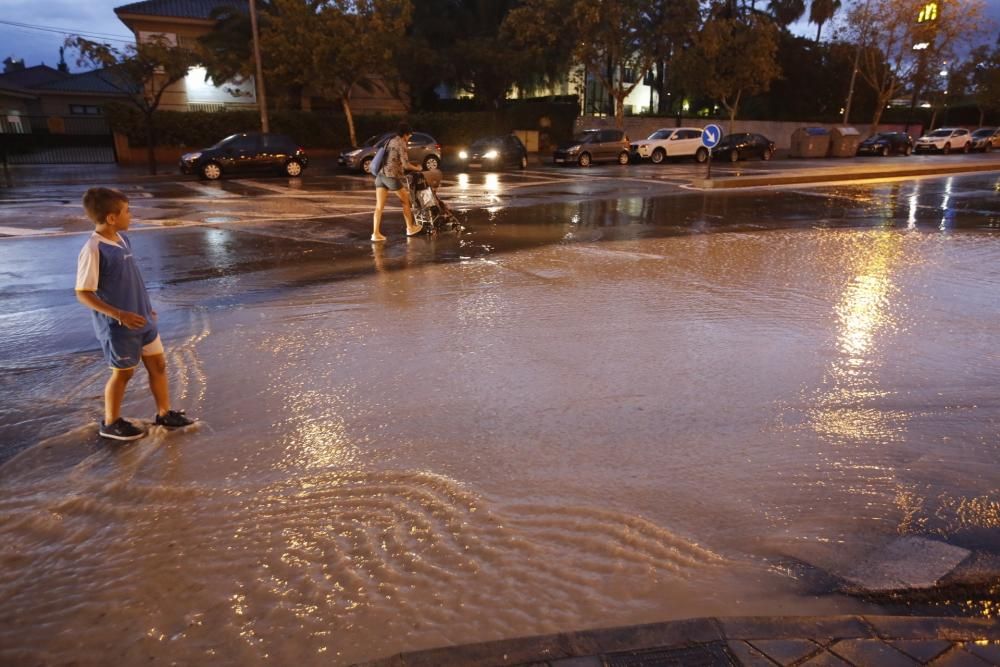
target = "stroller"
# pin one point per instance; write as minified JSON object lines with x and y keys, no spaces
{"x":428,"y":208}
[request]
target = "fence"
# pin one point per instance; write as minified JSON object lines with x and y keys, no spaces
{"x":55,"y":140}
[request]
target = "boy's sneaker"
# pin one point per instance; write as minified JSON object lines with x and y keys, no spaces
{"x":120,"y":430}
{"x":173,"y":419}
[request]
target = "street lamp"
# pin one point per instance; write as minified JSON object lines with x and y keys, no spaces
{"x":261,"y":97}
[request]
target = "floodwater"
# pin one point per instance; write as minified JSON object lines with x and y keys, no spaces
{"x":576,"y":416}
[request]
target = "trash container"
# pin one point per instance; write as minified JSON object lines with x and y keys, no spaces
{"x":844,"y":142}
{"x":810,"y":142}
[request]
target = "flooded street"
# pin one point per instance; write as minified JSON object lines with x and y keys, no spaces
{"x":575,"y":413}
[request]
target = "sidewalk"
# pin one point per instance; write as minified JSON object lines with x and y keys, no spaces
{"x":861,"y":641}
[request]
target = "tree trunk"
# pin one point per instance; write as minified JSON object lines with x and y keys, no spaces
{"x":663,"y":103}
{"x":819,"y":29}
{"x":150,"y":143}
{"x":877,"y":116}
{"x":934,"y":113}
{"x":982,"y":116}
{"x":345,"y":102}
{"x":620,"y":109}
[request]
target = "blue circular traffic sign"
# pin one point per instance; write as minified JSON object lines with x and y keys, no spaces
{"x":711,"y":136}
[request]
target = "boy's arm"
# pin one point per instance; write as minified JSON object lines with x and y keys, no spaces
{"x":127,"y":318}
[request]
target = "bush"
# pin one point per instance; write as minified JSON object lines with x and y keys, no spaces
{"x":316,"y":129}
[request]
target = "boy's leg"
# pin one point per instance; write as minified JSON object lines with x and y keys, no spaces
{"x":114,"y":393}
{"x":156,"y":366}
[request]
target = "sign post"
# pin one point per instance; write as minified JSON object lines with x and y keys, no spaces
{"x":710,"y":138}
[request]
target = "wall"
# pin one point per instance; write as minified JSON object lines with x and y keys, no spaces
{"x":780,"y":132}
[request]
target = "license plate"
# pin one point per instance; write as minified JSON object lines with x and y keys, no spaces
{"x":558,"y":159}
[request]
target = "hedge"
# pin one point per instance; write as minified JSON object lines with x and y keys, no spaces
{"x":315,"y":129}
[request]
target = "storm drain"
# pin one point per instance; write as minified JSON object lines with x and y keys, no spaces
{"x":702,"y":655}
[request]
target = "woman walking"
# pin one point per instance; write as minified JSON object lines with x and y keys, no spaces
{"x":391,"y":177}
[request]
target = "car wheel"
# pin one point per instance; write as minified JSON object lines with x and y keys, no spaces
{"x":734,"y":155}
{"x":431,"y":162}
{"x":293,"y":168}
{"x":946,"y":149}
{"x":767,"y":154}
{"x":701,"y":155}
{"x":211,"y":171}
{"x":965,"y":148}
{"x":584,"y":160}
{"x":885,"y":151}
{"x":907,"y":151}
{"x":658,"y":156}
{"x":524,"y":162}
{"x":366,"y":164}
{"x":623,"y":157}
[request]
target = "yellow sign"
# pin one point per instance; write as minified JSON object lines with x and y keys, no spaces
{"x":928,"y":12}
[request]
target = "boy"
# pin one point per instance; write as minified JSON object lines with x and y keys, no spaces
{"x":109,"y":283}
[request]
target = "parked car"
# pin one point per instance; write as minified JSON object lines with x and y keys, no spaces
{"x":246,"y":152}
{"x":495,"y":153}
{"x":887,"y":143}
{"x":735,"y":147}
{"x":985,"y":139}
{"x":422,"y":147}
{"x":945,"y":140}
{"x":670,"y":142}
{"x":593,"y":146}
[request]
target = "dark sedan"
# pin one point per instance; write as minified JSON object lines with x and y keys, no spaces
{"x":247,"y":152}
{"x":740,"y":146}
{"x":886,"y":144}
{"x":495,"y":153}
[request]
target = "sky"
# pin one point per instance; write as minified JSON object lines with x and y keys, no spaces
{"x":96,"y":17}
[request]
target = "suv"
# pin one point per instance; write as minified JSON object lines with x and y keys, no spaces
{"x":423,"y":150}
{"x":945,"y":139}
{"x":593,"y":146}
{"x":671,"y":142}
{"x":246,"y":151}
{"x":985,"y":139}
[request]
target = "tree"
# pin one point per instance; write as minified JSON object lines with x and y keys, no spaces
{"x":887,"y":32}
{"x":608,"y":37}
{"x":143,"y":71}
{"x":982,"y":70}
{"x":821,"y":11}
{"x":731,"y":58}
{"x":786,"y":12}
{"x":361,"y":38}
{"x":672,"y":27}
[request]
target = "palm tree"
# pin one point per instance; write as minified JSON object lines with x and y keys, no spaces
{"x":786,"y":12}
{"x":821,"y":11}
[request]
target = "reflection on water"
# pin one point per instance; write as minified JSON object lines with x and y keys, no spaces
{"x":605,"y":416}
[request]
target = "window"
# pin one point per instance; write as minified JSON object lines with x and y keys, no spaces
{"x":84,"y":110}
{"x":422,"y":139}
{"x":277,"y":141}
{"x":247,"y":142}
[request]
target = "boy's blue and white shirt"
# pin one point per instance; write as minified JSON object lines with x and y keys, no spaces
{"x":110,"y":270}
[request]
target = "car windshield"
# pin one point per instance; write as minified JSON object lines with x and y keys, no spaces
{"x":940,"y":133}
{"x":487,"y":142}
{"x":584,"y":137}
{"x":661,"y":134}
{"x":884,"y":135}
{"x":985,"y":132}
{"x":224,"y":142}
{"x":372,"y":140}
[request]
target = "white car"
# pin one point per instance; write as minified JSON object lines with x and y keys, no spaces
{"x":670,"y":142}
{"x":945,"y":140}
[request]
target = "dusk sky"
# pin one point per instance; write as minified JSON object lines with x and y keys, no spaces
{"x":97,"y":18}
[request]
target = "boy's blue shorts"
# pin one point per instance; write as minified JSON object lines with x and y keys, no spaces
{"x":124,"y":348}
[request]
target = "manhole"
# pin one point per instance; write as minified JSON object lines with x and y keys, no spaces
{"x":702,"y":655}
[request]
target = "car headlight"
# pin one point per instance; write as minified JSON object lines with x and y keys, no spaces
{"x":573,"y":149}
{"x":190,"y":157}
{"x":463,"y":155}
{"x":354,"y":153}
{"x":490,"y":155}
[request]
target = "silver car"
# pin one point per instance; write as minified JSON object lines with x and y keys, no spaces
{"x":423,"y":150}
{"x":985,"y":139}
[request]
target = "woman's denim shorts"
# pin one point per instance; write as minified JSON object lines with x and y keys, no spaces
{"x":388,"y":182}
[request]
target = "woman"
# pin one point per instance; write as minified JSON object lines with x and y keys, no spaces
{"x":391,"y":177}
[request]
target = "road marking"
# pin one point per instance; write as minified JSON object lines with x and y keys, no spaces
{"x":16,"y":231}
{"x":208,"y":190}
{"x":272,"y":188}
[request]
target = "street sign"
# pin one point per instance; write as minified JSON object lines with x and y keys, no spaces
{"x":711,"y":136}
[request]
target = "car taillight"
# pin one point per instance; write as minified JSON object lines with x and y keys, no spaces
{"x":437,"y":147}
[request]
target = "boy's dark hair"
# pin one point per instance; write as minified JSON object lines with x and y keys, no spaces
{"x":404,"y":129}
{"x":101,"y":202}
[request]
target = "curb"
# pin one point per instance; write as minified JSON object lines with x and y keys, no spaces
{"x":851,"y":640}
{"x":835,"y":175}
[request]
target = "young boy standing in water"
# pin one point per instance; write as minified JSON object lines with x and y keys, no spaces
{"x":109,"y":283}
